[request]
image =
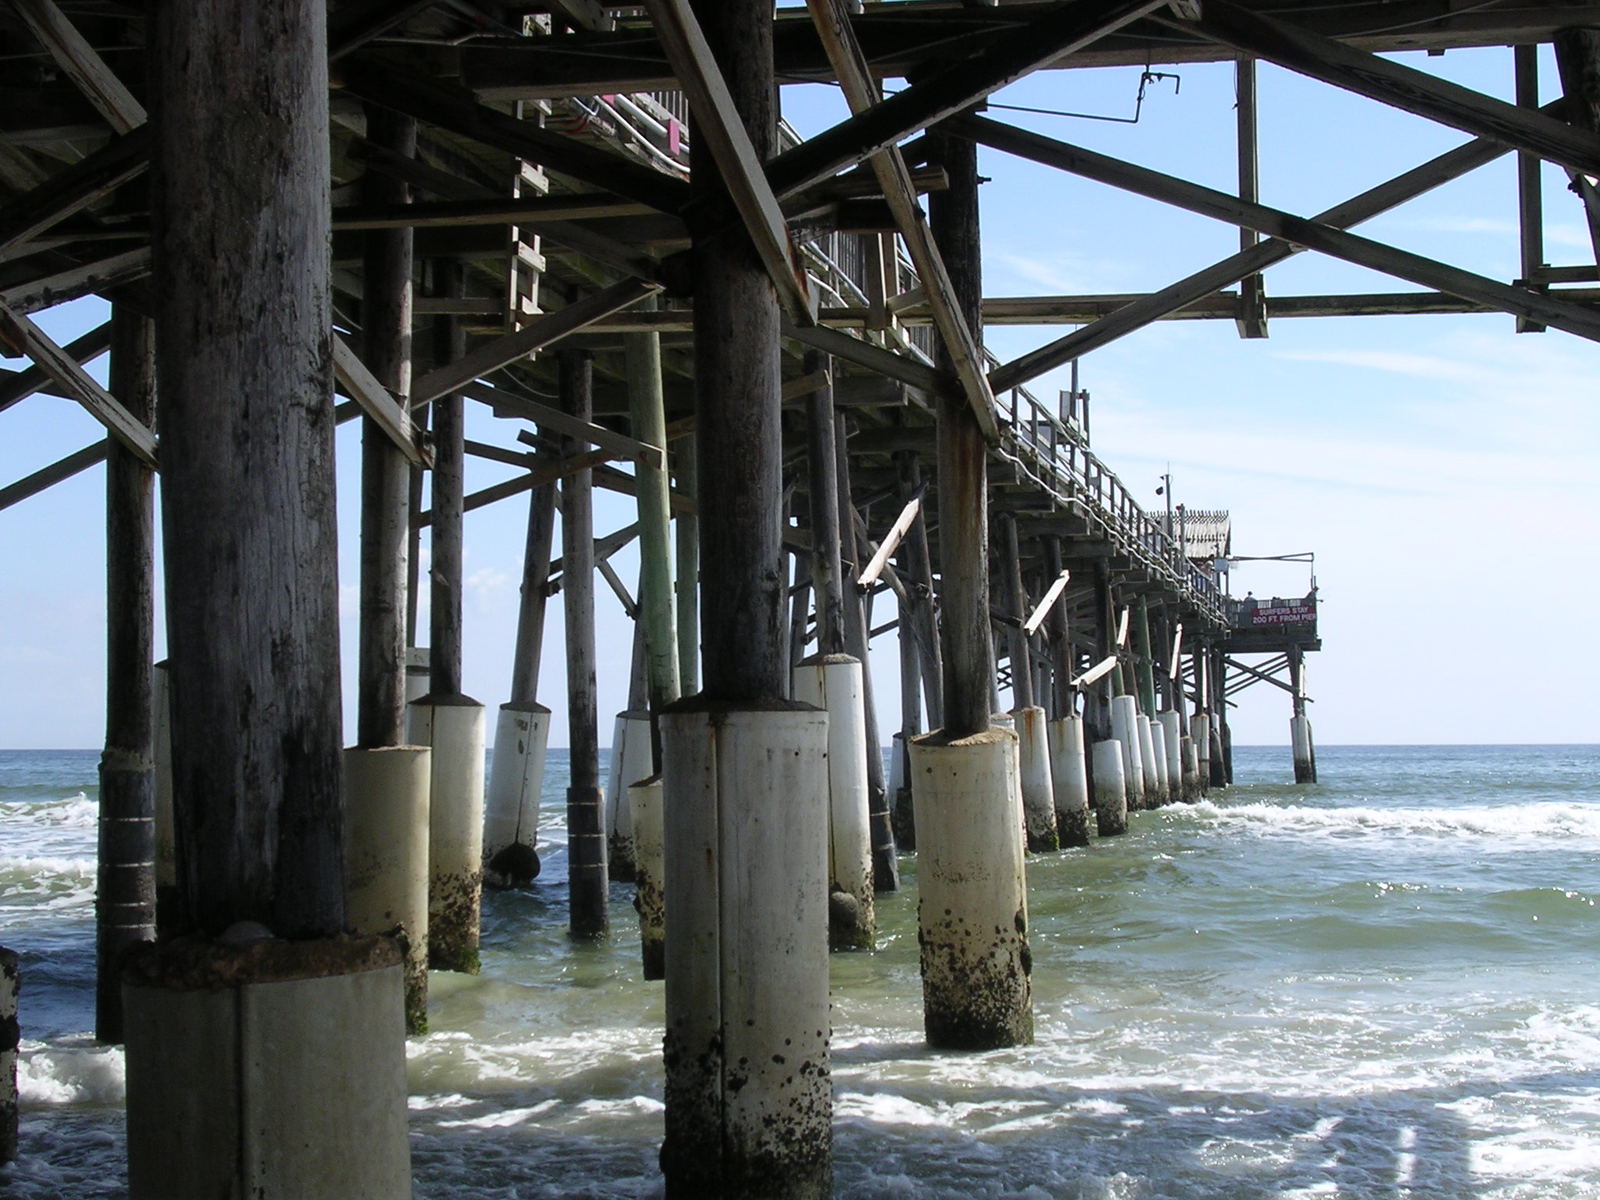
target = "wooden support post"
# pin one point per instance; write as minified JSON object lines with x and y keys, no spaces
{"x":586,"y":833}
{"x":1062,"y":659}
{"x":858,"y":643}
{"x":385,"y":471}
{"x":973,"y":915}
{"x":827,"y":527}
{"x":535,"y":599}
{"x":647,"y":405}
{"x":449,"y":493}
{"x":905,"y":825}
{"x":963,"y":457}
{"x":1221,"y":733}
{"x":246,"y":402}
{"x":687,"y":548}
{"x":1530,"y":200}
{"x":1578,"y":59}
{"x":1144,"y":670}
{"x":916,"y":565}
{"x":748,"y":1103}
{"x":1252,"y":312}
{"x":1021,"y":668}
{"x":1305,"y":754}
{"x":125,"y":898}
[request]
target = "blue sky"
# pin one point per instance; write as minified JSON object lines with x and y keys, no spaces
{"x":1442,"y":468}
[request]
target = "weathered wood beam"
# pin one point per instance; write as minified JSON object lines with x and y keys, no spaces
{"x":79,"y":62}
{"x":77,"y":280}
{"x":1400,"y":86}
{"x":47,"y":477}
{"x":456,"y":110}
{"x":379,"y":404}
{"x":490,"y":211}
{"x":512,"y":404}
{"x":1177,"y":296}
{"x":832,"y":19}
{"x":72,"y":189}
{"x":357,"y":22}
{"x":1313,"y":235}
{"x":719,"y":128}
{"x":16,"y":386}
{"x":864,"y":354}
{"x":1059,"y":31}
{"x":493,"y":355}
{"x":23,"y":337}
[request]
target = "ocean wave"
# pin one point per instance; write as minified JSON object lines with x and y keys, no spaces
{"x":72,"y":1071}
{"x":1547,"y":820}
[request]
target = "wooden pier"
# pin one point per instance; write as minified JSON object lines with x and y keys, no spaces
{"x":588,"y":219}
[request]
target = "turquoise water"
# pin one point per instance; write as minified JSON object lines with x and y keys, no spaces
{"x":1377,"y":986}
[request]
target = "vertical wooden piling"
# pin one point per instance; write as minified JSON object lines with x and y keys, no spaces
{"x":916,"y":565}
{"x":822,"y":462}
{"x":858,"y":643}
{"x":446,"y":533}
{"x":687,"y":552}
{"x":748,"y":1100}
{"x":241,"y":253}
{"x":1017,"y":604}
{"x":587,"y":888}
{"x":1305,"y":755}
{"x":10,"y":987}
{"x":385,"y":471}
{"x":125,"y":895}
{"x":972,"y":913}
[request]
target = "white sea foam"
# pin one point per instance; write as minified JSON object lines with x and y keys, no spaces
{"x":71,"y":1071}
{"x":1543,"y":820}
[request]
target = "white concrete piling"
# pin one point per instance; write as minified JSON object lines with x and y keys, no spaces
{"x":1200,"y":732}
{"x":511,"y":810}
{"x":454,"y":728}
{"x":1038,"y":785}
{"x":973,"y":911}
{"x":1158,"y":751}
{"x":10,"y":989}
{"x":274,"y":1070}
{"x":1110,"y":788}
{"x":386,"y":793}
{"x":1069,"y":780}
{"x":649,"y":874}
{"x":1305,"y":752}
{"x":1191,"y":771}
{"x":1152,"y":791}
{"x":1125,"y":729}
{"x":632,"y":759}
{"x":1172,"y":741}
{"x":747,"y":1022}
{"x":833,"y":683}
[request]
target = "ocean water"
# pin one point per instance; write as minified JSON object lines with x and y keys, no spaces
{"x":1382,"y":986}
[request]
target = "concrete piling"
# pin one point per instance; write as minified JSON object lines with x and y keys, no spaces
{"x":1038,"y":787}
{"x":649,"y":874}
{"x":1070,"y":780}
{"x":1125,"y":729}
{"x":453,"y":727}
{"x":1110,"y":788}
{"x":511,"y":806}
{"x":1172,"y":743}
{"x":1151,"y":793}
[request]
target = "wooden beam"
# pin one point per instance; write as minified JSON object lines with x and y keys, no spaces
{"x":377,"y":402}
{"x":72,"y":189}
{"x":19,"y":385}
{"x":22,"y":336}
{"x":891,"y":541}
{"x":864,"y":354}
{"x":1403,"y":87}
{"x":536,"y":334}
{"x":1140,"y":311}
{"x":457,"y":111}
{"x":720,"y":129}
{"x":78,"y":60}
{"x":832,"y":20}
{"x":47,"y":477}
{"x":498,"y":210}
{"x":512,"y":404}
{"x":1042,"y":609}
{"x":1313,"y":235}
{"x":1058,"y":32}
{"x":80,"y":279}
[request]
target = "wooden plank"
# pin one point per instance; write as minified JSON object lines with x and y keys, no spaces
{"x":719,"y":127}
{"x":832,"y":20}
{"x":1177,"y":649}
{"x":1140,"y":311}
{"x":16,"y":386}
{"x":74,"y":188}
{"x":23,"y":337}
{"x":1059,"y":31}
{"x":1122,"y":626}
{"x":377,"y":402}
{"x":78,"y":60}
{"x":1101,"y":669}
{"x":1313,"y":235}
{"x":509,"y":403}
{"x":1395,"y":84}
{"x":446,"y":214}
{"x":864,"y":354}
{"x":78,"y":280}
{"x":536,"y":334}
{"x":47,"y":477}
{"x":456,"y":110}
{"x":1042,"y":609}
{"x":891,"y":540}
